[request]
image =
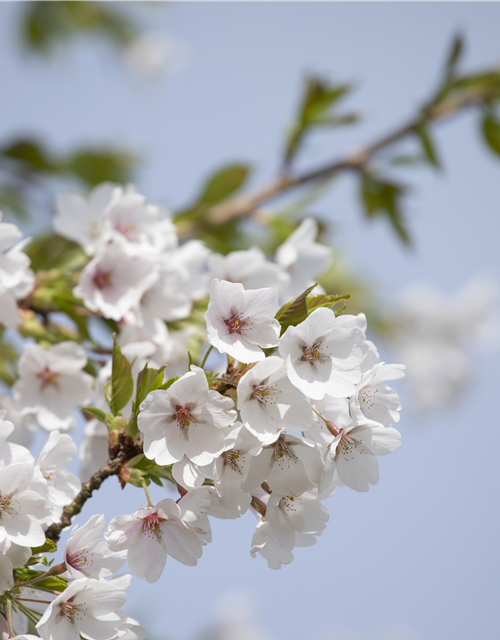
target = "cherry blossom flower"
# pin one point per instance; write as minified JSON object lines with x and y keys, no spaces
{"x":374,"y":399}
{"x":288,"y":515}
{"x":22,"y":511}
{"x":290,"y":465}
{"x":250,"y":268}
{"x":115,"y":280}
{"x":322,"y":357}
{"x":265,"y":543}
{"x":351,"y":456}
{"x":239,"y":322}
{"x":302,"y":258}
{"x":62,"y":485}
{"x":11,"y":557}
{"x":87,"y":555}
{"x":268,"y":401}
{"x":51,"y":382}
{"x":86,"y":607}
{"x":149,"y":534}
{"x":186,"y":419}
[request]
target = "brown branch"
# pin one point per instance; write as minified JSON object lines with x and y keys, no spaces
{"x":120,"y":453}
{"x":244,"y":206}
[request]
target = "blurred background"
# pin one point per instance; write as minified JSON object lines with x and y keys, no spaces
{"x":166,"y":95}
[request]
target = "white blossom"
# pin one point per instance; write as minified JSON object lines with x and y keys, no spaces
{"x":186,"y":419}
{"x":115,"y":280}
{"x":86,"y":607}
{"x":239,"y":322}
{"x":51,"y":382}
{"x":268,"y":402}
{"x":352,"y":455}
{"x":290,"y":465}
{"x":87,"y":555}
{"x":322,"y":357}
{"x":22,"y":511}
{"x":302,"y":258}
{"x":149,"y":534}
{"x":249,"y":267}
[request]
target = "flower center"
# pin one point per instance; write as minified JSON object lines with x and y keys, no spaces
{"x":183,"y":416}
{"x":312,"y":353}
{"x":283,"y":453}
{"x":8,"y":506}
{"x":102,"y":279}
{"x":71,"y":610}
{"x":80,"y":559}
{"x":236,"y":323}
{"x":288,"y":503}
{"x":153,"y":525}
{"x":231,"y":459}
{"x":48,"y":377}
{"x":126,"y":229}
{"x":349,"y":446}
{"x":265,"y":394}
{"x":367,"y":396}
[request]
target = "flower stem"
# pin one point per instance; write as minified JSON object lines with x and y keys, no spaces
{"x":332,"y":428}
{"x":33,"y":600}
{"x":9,"y":618}
{"x":209,"y":350}
{"x":144,"y":486}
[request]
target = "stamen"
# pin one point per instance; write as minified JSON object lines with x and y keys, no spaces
{"x":153,"y":525}
{"x":48,"y":377}
{"x":102,"y":279}
{"x":236,"y":323}
{"x":312,"y":353}
{"x":231,"y":459}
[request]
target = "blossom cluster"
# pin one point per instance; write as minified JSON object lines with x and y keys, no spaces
{"x":294,"y":405}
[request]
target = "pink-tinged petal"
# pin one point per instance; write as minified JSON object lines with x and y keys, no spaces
{"x":124,"y":532}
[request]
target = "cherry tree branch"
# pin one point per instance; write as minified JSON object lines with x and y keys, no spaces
{"x":120,"y":453}
{"x":245,"y":205}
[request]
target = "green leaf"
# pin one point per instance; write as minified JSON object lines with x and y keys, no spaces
{"x":39,"y":560}
{"x":95,"y":413}
{"x":169,"y":382}
{"x":147,"y":380}
{"x":318,"y":98}
{"x":47,"y":547}
{"x":95,"y":166}
{"x":52,"y":583}
{"x":55,"y":252}
{"x":122,"y":383}
{"x":491,"y":131}
{"x":224,"y":183}
{"x":428,"y":146}
{"x":323,"y":300}
{"x":293,"y":313}
{"x":31,"y":154}
{"x":456,"y":51}
{"x":382,"y":199}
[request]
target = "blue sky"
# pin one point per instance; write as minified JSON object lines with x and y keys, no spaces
{"x":420,"y":550}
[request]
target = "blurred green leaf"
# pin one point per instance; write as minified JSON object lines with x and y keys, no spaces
{"x":319,"y":96}
{"x":122,"y":383}
{"x":95,"y":166}
{"x":428,"y":146}
{"x":48,"y":24}
{"x":12,"y":199}
{"x":8,"y":360}
{"x":490,"y":126}
{"x":30,"y":153}
{"x":224,"y":183}
{"x":54,"y":252}
{"x":381,"y":198}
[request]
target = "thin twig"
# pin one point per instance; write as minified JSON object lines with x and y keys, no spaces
{"x":126,"y":450}
{"x":244,"y":206}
